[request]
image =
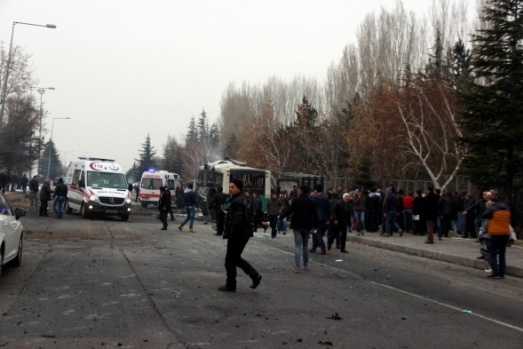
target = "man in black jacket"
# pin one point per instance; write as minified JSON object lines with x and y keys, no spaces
{"x":304,"y":219}
{"x":216,"y":203}
{"x":164,"y":206}
{"x":238,"y":229}
{"x":60,"y":193}
{"x":340,"y":214}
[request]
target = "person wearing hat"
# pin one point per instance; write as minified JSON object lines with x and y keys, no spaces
{"x":164,"y":206}
{"x":238,"y":231}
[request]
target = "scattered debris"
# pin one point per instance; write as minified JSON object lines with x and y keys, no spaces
{"x":326,"y":343}
{"x":334,"y":316}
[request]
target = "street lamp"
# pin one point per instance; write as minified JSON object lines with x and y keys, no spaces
{"x":4,"y":88}
{"x":41,"y":91}
{"x":65,"y":156}
{"x":50,"y":140}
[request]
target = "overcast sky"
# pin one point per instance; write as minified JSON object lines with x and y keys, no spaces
{"x":123,"y":69}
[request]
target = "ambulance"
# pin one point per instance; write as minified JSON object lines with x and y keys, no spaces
{"x":151,"y":182}
{"x":97,"y":186}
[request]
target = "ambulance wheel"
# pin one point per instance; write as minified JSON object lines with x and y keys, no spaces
{"x":124,"y":217}
{"x":83,"y":211}
{"x":68,"y":209}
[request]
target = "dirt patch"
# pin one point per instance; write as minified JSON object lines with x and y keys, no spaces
{"x":18,"y":199}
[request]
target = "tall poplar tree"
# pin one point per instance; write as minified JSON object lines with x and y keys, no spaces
{"x":147,"y":153}
{"x":492,"y":116}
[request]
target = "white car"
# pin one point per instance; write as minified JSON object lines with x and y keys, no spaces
{"x":11,"y":234}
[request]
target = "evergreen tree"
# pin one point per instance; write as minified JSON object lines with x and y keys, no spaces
{"x":171,"y":156}
{"x":214,"y":136}
{"x":492,"y":115}
{"x":146,"y":160}
{"x":461,"y":64}
{"x":363,"y":178}
{"x":50,"y":167}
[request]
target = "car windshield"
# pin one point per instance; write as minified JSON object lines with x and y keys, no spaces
{"x":106,"y":180}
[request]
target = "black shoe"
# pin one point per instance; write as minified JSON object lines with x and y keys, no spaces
{"x":256,"y":281}
{"x":344,"y":251}
{"x":329,"y":247}
{"x":273,"y":236}
{"x":226,"y":288}
{"x":164,"y":228}
{"x":218,"y":234}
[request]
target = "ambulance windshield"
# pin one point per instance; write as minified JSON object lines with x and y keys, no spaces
{"x":106,"y":180}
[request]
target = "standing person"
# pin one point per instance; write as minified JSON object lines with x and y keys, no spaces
{"x":274,"y":208}
{"x":430,"y":214}
{"x":14,"y":181}
{"x":190,"y":202}
{"x":137,"y":191}
{"x":304,"y":218}
{"x":373,"y":203}
{"x":340,"y":213}
{"x":418,"y":219}
{"x":4,"y":180}
{"x":164,"y":205}
{"x":238,"y":231}
{"x":257,"y":211}
{"x":34,"y":188}
{"x":23,"y":182}
{"x":168,"y":192}
{"x":408,"y":206}
{"x":359,"y":206}
{"x":390,"y":211}
{"x":498,"y":216}
{"x":45,"y":197}
{"x":323,"y":211}
{"x":471,"y":207}
{"x":282,"y":223}
{"x":217,"y":203}
{"x":60,"y":193}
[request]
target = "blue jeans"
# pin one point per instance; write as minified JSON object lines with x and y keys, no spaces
{"x":407,"y":219}
{"x":190,"y":216}
{"x":282,"y":225}
{"x":391,"y":222}
{"x":301,"y":242}
{"x":360,"y":220}
{"x":57,"y":205}
{"x":318,"y":237}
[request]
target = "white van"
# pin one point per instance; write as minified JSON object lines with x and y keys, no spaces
{"x":151,"y":182}
{"x":97,"y":186}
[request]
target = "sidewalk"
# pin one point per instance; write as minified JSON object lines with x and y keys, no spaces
{"x":454,"y":250}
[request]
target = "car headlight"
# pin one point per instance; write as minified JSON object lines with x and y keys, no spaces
{"x":92,"y":198}
{"x":128,"y":201}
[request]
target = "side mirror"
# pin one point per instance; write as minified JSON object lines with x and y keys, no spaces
{"x":19,"y":212}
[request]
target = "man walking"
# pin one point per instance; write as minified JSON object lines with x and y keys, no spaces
{"x":340,"y":213}
{"x":304,"y":218}
{"x":430,"y":214}
{"x":191,"y":203}
{"x":238,"y":231}
{"x":60,"y":193}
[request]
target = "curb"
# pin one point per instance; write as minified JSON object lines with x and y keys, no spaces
{"x":440,"y":256}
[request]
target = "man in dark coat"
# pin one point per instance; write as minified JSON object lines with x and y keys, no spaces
{"x":216,"y":204}
{"x":60,"y":193}
{"x":45,"y":197}
{"x":164,"y":206}
{"x":304,"y":219}
{"x":23,"y":183}
{"x":340,"y":213}
{"x":430,"y":214}
{"x":238,"y":231}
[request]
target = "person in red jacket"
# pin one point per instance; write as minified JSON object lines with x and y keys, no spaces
{"x":408,"y":205}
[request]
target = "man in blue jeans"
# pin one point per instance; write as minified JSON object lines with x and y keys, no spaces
{"x":191,"y":202}
{"x":304,"y":217}
{"x":323,"y":211}
{"x":60,"y":193}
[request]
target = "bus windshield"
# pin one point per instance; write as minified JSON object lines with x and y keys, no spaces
{"x":106,"y":180}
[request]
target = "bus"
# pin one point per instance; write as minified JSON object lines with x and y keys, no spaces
{"x":219,"y":173}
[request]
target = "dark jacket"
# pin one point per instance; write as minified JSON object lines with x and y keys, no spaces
{"x":164,"y":201}
{"x":34,"y":186}
{"x":45,"y":192}
{"x":238,"y":221}
{"x":274,"y":206}
{"x":341,"y":211}
{"x":431,"y":207}
{"x":322,"y":207}
{"x":190,"y":198}
{"x":304,"y":213}
{"x":217,"y":201}
{"x":60,"y":190}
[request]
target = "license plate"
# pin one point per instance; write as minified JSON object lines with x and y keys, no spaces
{"x":111,"y":211}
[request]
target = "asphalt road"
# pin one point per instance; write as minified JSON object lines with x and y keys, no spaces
{"x":112,"y":284}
